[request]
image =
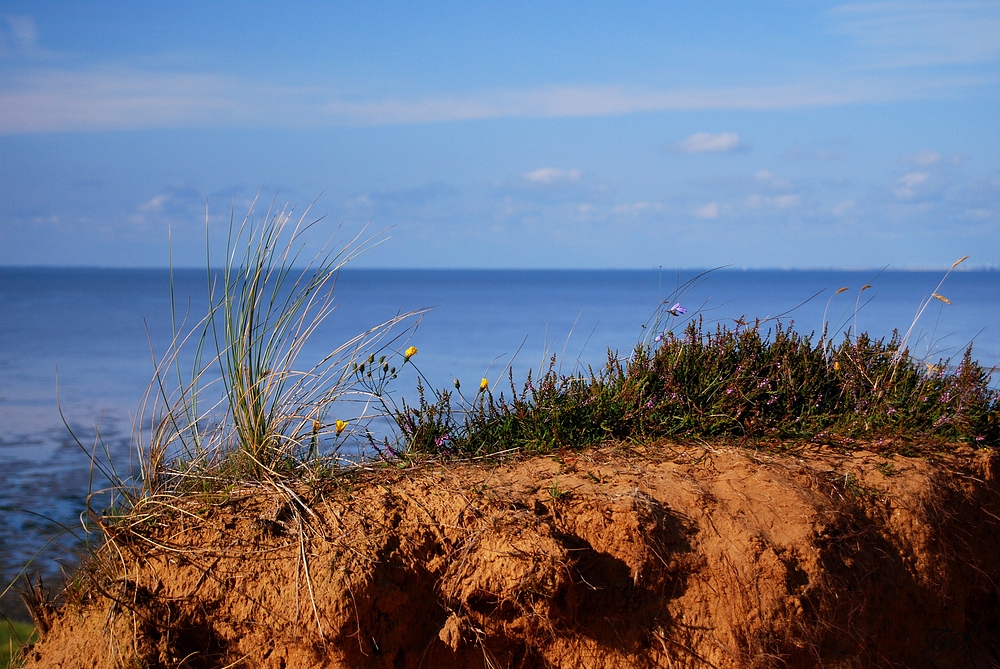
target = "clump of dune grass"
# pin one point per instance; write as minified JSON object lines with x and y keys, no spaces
{"x":232,"y":399}
{"x":752,"y":382}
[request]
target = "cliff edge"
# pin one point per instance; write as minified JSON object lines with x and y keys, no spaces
{"x":675,"y":556}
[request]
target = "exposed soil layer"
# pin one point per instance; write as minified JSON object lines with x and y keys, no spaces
{"x":679,"y":557}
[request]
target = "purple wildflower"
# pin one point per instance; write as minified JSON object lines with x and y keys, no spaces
{"x":677,"y":310}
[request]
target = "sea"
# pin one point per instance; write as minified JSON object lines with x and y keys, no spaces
{"x":78,"y":349}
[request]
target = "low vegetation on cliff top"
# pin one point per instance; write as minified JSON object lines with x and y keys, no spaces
{"x":752,"y":382}
{"x":744,"y":383}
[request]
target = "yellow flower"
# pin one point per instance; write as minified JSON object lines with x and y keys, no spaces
{"x":484,"y":385}
{"x":341,"y":425}
{"x":316,"y":426}
{"x":410,"y":352}
{"x":836,"y":366}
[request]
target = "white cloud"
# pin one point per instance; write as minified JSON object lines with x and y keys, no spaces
{"x":149,"y":210}
{"x":120,"y":99}
{"x":778,"y":201}
{"x":580,"y":101}
{"x":179,"y":205}
{"x":636,"y":208}
{"x":913,"y":34}
{"x":710,"y":210}
{"x":817,"y":154}
{"x":154,"y":204}
{"x":19,"y":35}
{"x":553,"y":175}
{"x":46,"y":220}
{"x":927,"y":158}
{"x":978,"y":214}
{"x":786,"y":201}
{"x":767,"y":177}
{"x":844,"y":207}
{"x":706,"y":142}
{"x":363,"y":201}
{"x":906,"y":185}
{"x":115,"y":97}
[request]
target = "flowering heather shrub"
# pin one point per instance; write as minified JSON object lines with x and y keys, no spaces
{"x":741,"y":383}
{"x":747,"y":383}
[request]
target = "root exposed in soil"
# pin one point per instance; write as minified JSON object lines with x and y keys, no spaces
{"x":606,"y":558}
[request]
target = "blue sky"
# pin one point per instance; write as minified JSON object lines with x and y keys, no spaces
{"x":585,"y":135}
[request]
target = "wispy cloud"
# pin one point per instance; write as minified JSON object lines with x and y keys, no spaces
{"x":580,"y":101}
{"x":778,"y":201}
{"x":912,"y":34}
{"x":844,"y":207}
{"x":636,"y":209}
{"x":706,"y":142}
{"x":176,"y":206}
{"x":154,"y":204}
{"x":111,"y":97}
{"x":906,"y":185}
{"x":710,"y":210}
{"x":50,"y":100}
{"x":18,"y":35}
{"x":927,"y":158}
{"x":768,"y":178}
{"x":553,"y":175}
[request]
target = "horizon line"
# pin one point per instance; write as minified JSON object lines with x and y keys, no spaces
{"x":690,"y":268}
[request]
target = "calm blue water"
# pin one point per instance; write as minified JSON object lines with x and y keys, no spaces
{"x":94,"y":330}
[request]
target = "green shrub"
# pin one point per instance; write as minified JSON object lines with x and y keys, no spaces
{"x":744,"y":382}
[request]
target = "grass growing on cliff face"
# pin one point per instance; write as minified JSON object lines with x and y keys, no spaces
{"x":14,"y":634}
{"x":754,"y":381}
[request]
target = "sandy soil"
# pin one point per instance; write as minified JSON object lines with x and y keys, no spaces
{"x":680,"y":557}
